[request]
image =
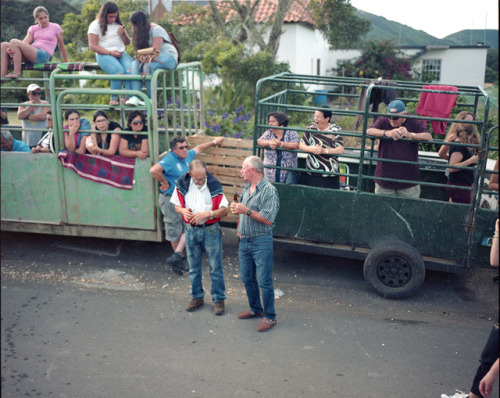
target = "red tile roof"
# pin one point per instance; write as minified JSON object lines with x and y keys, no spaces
{"x":297,"y":13}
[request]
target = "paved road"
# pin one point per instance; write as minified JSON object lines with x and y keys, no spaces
{"x":102,"y":318}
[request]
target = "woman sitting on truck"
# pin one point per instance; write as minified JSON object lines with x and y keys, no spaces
{"x":104,"y":143}
{"x":283,"y":139}
{"x":464,"y":157}
{"x":135,"y":145}
{"x":108,"y":38}
{"x":322,"y":150}
{"x":37,"y":47}
{"x":74,"y":140}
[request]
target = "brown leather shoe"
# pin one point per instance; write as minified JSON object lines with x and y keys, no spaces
{"x":194,"y":304}
{"x":219,"y":308}
{"x":266,"y":324}
{"x":249,"y":314}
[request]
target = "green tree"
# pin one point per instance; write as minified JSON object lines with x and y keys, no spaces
{"x":491,"y":75}
{"x":379,"y":59}
{"x":339,"y":23}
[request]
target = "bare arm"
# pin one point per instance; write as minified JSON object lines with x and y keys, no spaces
{"x":494,"y":179}
{"x":29,"y":38}
{"x":143,"y":153}
{"x":494,"y":248}
{"x":62,"y":47}
{"x":124,"y":35}
{"x":157,"y":173}
{"x":82,"y":148}
{"x":456,"y":159}
{"x":202,"y":147}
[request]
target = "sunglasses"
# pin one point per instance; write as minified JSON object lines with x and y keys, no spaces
{"x":137,"y":123}
{"x":101,"y":120}
{"x":36,"y":92}
{"x":182,"y":147}
{"x":394,"y":118}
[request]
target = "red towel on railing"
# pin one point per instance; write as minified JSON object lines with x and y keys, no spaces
{"x":114,"y":170}
{"x":437,"y":105}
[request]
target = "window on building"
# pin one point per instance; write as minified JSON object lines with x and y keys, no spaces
{"x":432,"y":67}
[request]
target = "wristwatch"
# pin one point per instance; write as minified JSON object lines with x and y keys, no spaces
{"x":249,"y":212}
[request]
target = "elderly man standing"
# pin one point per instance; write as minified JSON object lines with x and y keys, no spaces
{"x":33,"y":115}
{"x":167,"y":171}
{"x":9,"y":144}
{"x":199,"y":199}
{"x":395,"y":128}
{"x":257,"y":211}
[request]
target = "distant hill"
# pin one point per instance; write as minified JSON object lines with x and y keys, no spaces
{"x":384,"y":29}
{"x":470,"y":37}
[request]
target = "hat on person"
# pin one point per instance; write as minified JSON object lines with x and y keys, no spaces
{"x":33,"y":87}
{"x":398,"y":105}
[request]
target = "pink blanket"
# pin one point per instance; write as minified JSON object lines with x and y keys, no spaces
{"x":437,"y":105}
{"x":116,"y":171}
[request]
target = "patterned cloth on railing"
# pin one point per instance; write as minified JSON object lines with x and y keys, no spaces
{"x":65,"y":66}
{"x":114,"y":170}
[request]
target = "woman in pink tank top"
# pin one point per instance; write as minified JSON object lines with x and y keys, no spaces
{"x":37,"y":47}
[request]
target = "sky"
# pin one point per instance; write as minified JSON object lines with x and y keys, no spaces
{"x":438,"y":18}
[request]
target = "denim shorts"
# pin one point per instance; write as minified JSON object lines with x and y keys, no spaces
{"x":41,"y":56}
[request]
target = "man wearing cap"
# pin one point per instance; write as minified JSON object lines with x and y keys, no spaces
{"x":9,"y":144}
{"x":33,"y":115}
{"x":399,"y":139}
{"x":198,"y":197}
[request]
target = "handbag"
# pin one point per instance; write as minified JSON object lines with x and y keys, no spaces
{"x":145,"y":56}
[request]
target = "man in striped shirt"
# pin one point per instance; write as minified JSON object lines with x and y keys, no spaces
{"x":257,"y":211}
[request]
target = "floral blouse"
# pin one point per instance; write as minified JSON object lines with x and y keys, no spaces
{"x":329,"y":163}
{"x":279,"y":157}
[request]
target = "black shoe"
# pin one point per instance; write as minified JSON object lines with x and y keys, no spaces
{"x":175,"y":262}
{"x":184,"y":264}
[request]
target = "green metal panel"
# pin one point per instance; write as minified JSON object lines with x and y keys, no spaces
{"x":30,"y":188}
{"x":359,"y":219}
{"x":92,"y":203}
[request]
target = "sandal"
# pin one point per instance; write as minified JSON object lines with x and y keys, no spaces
{"x":114,"y":102}
{"x":14,"y":76}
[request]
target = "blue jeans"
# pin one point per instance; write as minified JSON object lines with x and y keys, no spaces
{"x":207,"y":238}
{"x":116,"y":66}
{"x":168,"y":62}
{"x":256,"y":268}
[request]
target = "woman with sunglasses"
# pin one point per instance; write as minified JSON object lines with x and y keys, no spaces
{"x":104,"y":143}
{"x":135,"y":145}
{"x":33,"y":116}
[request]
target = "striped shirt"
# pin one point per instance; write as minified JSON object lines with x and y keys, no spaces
{"x":264,"y":200}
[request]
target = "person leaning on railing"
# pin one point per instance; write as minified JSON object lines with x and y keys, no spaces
{"x":103,"y":143}
{"x":462,"y":156}
{"x":282,"y":139}
{"x":395,"y":128}
{"x":135,"y":145}
{"x":74,"y":140}
{"x":322,"y":150}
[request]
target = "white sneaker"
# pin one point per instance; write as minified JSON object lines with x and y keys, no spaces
{"x":458,"y":394}
{"x":135,"y":101}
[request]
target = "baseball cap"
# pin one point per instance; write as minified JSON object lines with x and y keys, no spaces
{"x":33,"y":87}
{"x":398,"y":105}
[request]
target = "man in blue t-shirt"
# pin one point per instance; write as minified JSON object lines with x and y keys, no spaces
{"x":166,"y":172}
{"x":9,"y":144}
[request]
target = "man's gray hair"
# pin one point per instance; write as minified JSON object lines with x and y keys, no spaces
{"x":255,"y":162}
{"x":6,"y":135}
{"x":195,"y":163}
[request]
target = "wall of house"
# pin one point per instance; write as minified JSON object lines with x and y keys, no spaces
{"x":464,"y":66}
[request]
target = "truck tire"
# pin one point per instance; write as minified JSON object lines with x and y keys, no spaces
{"x":394,"y":269}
